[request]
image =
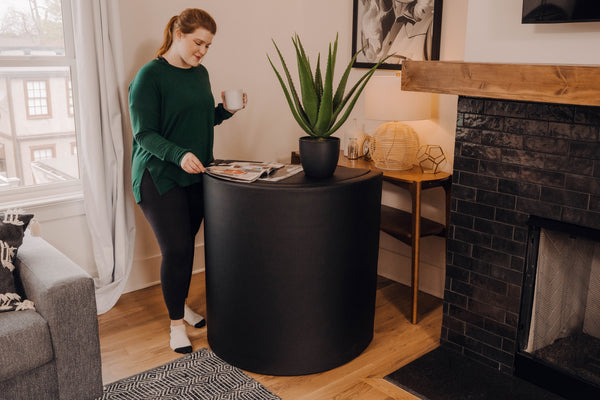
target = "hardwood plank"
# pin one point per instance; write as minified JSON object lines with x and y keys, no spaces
{"x":563,"y":84}
{"x":365,"y":389}
{"x":391,"y":390}
{"x":134,"y":337}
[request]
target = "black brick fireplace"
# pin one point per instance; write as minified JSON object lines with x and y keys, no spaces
{"x":513,"y":161}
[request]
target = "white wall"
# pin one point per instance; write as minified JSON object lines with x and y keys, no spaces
{"x":265,"y":130}
{"x":495,"y":34}
{"x":394,"y":256}
{"x":237,"y":58}
{"x":476,"y":30}
{"x":63,"y":225}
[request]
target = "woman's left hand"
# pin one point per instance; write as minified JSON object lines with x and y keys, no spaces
{"x":244,"y":99}
{"x":191,"y":164}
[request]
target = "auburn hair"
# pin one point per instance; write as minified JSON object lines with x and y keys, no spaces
{"x":188,"y":21}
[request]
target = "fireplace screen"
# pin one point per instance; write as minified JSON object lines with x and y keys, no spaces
{"x":564,"y":324}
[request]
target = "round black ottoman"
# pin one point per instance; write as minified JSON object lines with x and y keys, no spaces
{"x":291,"y":270}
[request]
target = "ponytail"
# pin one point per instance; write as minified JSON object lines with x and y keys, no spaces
{"x":187,"y":22}
{"x":167,"y":36}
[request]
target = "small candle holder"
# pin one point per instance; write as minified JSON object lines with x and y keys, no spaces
{"x":352,"y":149}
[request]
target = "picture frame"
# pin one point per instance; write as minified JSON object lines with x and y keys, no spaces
{"x":404,"y":29}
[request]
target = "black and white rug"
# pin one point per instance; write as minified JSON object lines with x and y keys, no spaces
{"x":198,"y":375}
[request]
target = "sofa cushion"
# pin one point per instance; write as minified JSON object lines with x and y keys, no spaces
{"x":24,"y":343}
{"x":12,"y":230}
{"x":13,"y":224}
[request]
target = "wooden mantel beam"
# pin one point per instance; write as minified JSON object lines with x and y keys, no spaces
{"x":562,"y":84}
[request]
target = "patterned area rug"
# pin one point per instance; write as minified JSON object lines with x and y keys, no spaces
{"x":198,"y":375}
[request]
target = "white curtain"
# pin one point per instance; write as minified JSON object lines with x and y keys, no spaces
{"x":108,"y":205}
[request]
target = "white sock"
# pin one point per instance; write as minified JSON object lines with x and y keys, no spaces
{"x":192,"y":318}
{"x":179,"y":339}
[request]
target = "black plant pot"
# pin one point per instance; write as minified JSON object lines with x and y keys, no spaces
{"x":319,"y":156}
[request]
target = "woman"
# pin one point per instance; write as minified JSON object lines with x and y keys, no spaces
{"x":173,"y":115}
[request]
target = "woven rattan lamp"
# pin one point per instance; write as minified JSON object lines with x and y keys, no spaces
{"x":394,"y":145}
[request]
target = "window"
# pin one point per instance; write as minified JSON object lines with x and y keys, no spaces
{"x":70,"y":109}
{"x":43,"y":152}
{"x":2,"y":161}
{"x":36,"y":98}
{"x":38,"y":92}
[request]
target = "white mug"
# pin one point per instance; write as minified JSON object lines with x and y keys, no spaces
{"x":234,"y":99}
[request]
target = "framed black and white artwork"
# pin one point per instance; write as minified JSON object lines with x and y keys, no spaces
{"x":401,"y":29}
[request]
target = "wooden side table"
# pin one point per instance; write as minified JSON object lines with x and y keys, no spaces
{"x":410,"y":227}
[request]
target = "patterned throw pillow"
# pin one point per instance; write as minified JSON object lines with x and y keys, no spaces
{"x":12,"y":229}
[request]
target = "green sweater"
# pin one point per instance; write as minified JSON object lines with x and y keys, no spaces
{"x":172,"y":112}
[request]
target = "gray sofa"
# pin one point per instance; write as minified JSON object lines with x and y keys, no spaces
{"x":53,"y":352}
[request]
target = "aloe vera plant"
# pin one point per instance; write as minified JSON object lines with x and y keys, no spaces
{"x":318,"y":109}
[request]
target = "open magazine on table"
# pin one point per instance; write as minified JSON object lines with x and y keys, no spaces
{"x":250,"y":171}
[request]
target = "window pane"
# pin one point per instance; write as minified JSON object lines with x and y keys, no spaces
{"x":43,"y":153}
{"x":70,"y":98}
{"x":36,"y":149}
{"x":37,"y":98}
{"x":2,"y":162}
{"x":31,"y":27}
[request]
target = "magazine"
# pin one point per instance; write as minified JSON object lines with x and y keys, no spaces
{"x":281,"y":173}
{"x":248,"y":171}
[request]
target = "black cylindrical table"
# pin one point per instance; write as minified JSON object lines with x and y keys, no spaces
{"x":291,"y":270}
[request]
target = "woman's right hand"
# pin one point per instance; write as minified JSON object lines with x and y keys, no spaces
{"x":191,"y":164}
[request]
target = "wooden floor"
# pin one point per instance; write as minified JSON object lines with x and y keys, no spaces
{"x":134,"y":337}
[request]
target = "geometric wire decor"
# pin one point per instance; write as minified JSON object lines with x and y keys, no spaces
{"x":431,"y":158}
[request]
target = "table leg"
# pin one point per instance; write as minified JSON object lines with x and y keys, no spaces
{"x":415,"y":191}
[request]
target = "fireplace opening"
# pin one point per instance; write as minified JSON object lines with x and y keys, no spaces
{"x":559,"y":324}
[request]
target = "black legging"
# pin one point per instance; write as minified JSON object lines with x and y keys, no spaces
{"x":175,"y":218}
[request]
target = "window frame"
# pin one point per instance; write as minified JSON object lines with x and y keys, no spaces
{"x":51,"y":147}
{"x":48,"y":99}
{"x":49,"y":193}
{"x":2,"y":159}
{"x":70,"y":101}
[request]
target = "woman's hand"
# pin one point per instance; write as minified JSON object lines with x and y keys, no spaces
{"x":244,"y":99}
{"x":191,"y":164}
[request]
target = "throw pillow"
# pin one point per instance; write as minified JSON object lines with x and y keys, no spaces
{"x":12,"y":229}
